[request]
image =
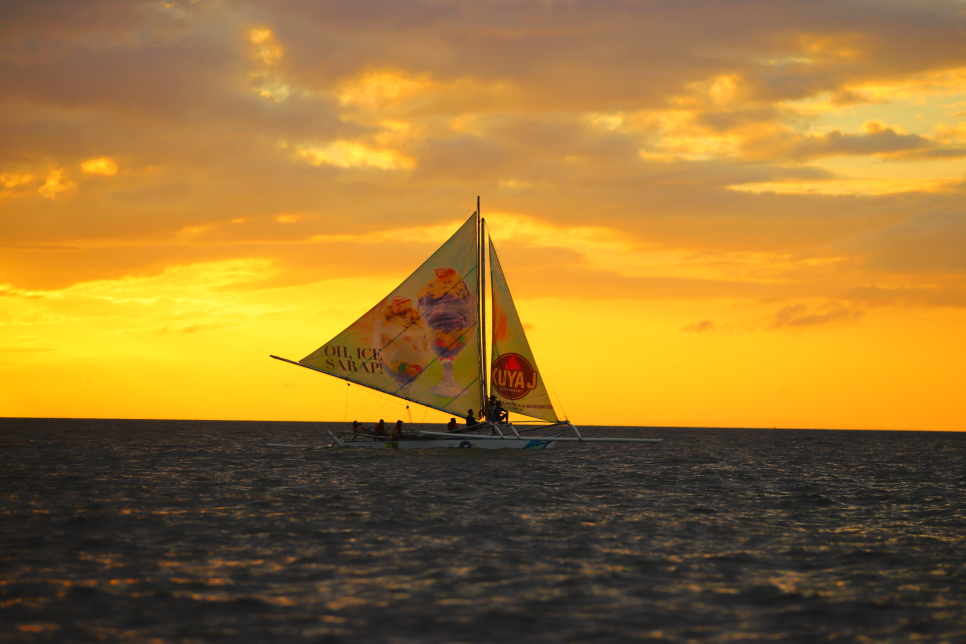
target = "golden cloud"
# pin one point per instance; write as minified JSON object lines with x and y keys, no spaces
{"x":718,"y":91}
{"x":55,"y":185}
{"x":953,"y":134}
{"x":16,"y":179}
{"x":376,"y":90}
{"x":101,"y":165}
{"x":835,"y":47}
{"x":265,"y":47}
{"x":350,"y":154}
{"x":909,"y":87}
{"x":848,"y":186}
{"x":267,"y":51}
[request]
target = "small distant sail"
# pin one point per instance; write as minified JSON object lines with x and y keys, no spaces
{"x":514,"y":378}
{"x":421,"y":342}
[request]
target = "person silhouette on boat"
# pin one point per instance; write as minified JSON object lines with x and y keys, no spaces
{"x":494,"y":411}
{"x":357,"y":427}
{"x":500,"y":415}
{"x":489,"y":409}
{"x":380,"y":428}
{"x":397,"y":431}
{"x":470,"y":418}
{"x":451,"y":425}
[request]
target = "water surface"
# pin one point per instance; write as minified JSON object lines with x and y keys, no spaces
{"x":195,"y":531}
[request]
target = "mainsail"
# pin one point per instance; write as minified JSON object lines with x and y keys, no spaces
{"x":421,"y":342}
{"x":514,"y":378}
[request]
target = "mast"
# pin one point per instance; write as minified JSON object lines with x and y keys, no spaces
{"x":481,"y":236}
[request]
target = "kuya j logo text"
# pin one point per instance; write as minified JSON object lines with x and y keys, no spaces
{"x":352,"y":359}
{"x":513,"y":376}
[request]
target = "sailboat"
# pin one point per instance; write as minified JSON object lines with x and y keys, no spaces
{"x":425,"y":343}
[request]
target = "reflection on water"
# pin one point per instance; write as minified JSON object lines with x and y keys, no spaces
{"x":195,"y":531}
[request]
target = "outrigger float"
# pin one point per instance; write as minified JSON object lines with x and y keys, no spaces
{"x":425,"y":343}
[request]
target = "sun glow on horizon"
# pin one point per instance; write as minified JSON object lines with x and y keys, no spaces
{"x":707,"y":218}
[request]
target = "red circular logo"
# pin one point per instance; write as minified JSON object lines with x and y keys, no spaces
{"x":513,"y":376}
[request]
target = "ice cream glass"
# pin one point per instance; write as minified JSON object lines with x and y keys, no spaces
{"x":449,"y":309}
{"x":401,"y":333}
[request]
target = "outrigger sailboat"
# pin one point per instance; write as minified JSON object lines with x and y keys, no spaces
{"x":424,"y":343}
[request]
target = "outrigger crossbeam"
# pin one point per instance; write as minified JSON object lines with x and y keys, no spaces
{"x":517,"y":437}
{"x":545,"y":438}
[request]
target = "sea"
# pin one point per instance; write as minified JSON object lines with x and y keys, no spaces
{"x":199,"y":531}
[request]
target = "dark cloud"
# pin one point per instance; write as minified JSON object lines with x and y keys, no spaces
{"x":611,"y":54}
{"x":685,"y":207}
{"x":928,"y":242}
{"x":24,"y":22}
{"x":938,"y":295}
{"x":724,"y":120}
{"x":195,"y":328}
{"x":164,"y":80}
{"x":703,"y":326}
{"x":169,"y":93}
{"x":580,"y":282}
{"x":575,"y":55}
{"x":880,"y":141}
{"x":799,"y":315}
{"x":466,"y":159}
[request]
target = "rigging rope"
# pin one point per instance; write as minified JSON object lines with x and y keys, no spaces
{"x":345,"y":415}
{"x":551,"y":390}
{"x":381,"y":401}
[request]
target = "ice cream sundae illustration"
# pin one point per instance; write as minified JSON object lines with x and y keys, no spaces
{"x":402,"y":336}
{"x":449,"y":309}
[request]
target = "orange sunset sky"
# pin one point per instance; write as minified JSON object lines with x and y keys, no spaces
{"x":710,"y":213}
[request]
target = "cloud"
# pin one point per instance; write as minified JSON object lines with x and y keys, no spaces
{"x":231,"y":118}
{"x":953,"y":295}
{"x":65,"y":20}
{"x":793,"y":316}
{"x":932,"y":241}
{"x":101,"y":165}
{"x":55,"y":184}
{"x":877,"y":140}
{"x":7,"y":291}
{"x":703,"y":326}
{"x":195,"y":328}
{"x":798,"y":315}
{"x":349,"y":154}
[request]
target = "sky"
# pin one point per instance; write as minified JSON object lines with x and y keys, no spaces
{"x":747,"y":213}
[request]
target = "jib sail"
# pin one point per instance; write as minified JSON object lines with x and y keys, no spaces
{"x":514,"y":378}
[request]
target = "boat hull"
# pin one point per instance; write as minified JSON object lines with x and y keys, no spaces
{"x":457,"y":443}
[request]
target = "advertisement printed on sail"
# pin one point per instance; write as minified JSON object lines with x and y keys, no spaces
{"x":514,"y":378}
{"x":421,"y":342}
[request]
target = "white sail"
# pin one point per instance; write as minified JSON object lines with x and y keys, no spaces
{"x":421,"y":342}
{"x":514,"y":378}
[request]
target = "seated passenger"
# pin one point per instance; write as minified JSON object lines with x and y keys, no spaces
{"x":489,"y":409}
{"x":451,"y":425}
{"x":357,"y":427}
{"x":470,"y":418}
{"x":397,"y":431}
{"x":500,"y":415}
{"x":380,"y":428}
